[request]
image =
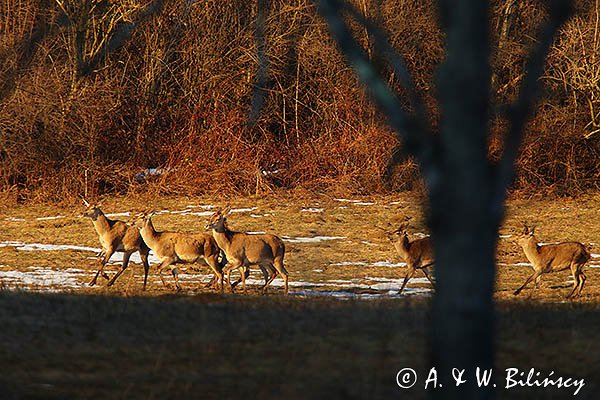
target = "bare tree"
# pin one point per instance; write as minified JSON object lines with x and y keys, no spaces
{"x":466,"y":190}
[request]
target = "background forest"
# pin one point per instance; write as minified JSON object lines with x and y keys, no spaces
{"x":92,"y":93}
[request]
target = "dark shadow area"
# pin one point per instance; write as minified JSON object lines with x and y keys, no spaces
{"x":225,"y":347}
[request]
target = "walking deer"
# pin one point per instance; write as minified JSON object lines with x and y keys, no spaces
{"x":114,"y":236}
{"x":176,"y":247}
{"x":553,"y":258}
{"x":417,"y":254}
{"x":242,"y":250}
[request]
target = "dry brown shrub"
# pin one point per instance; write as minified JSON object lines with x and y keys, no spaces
{"x":79,"y":117}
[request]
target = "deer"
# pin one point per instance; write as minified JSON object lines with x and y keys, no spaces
{"x":553,"y":258}
{"x":418,"y":254}
{"x":242,"y":250}
{"x":179,"y":248}
{"x":115,"y":236}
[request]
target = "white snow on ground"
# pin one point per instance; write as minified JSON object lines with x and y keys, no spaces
{"x":199,"y":213}
{"x":519,"y":264}
{"x":313,"y":239}
{"x":204,"y":206}
{"x":312,"y":210}
{"x":385,"y":263}
{"x":13,"y":219}
{"x":241,"y":210}
{"x":420,"y":234}
{"x":116,"y":257}
{"x":48,"y":218}
{"x":344,"y":263}
{"x":356,"y":202}
{"x":120,"y":214}
{"x":48,"y":279}
{"x":595,"y":255}
{"x":44,"y":277}
{"x":46,"y":247}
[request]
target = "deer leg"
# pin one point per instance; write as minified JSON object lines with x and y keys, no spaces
{"x":244,"y":275}
{"x":428,"y":277}
{"x":174,"y":272}
{"x":582,"y":280}
{"x":217,"y":279}
{"x":165,"y":264}
{"x":109,"y":252}
{"x":263,"y":269}
{"x":531,"y":278}
{"x":538,"y":282}
{"x":268,"y":279}
{"x":579,"y":278}
{"x":409,"y":275}
{"x":246,"y":272}
{"x":144,"y":257}
{"x":576,"y":278}
{"x":227,"y":270}
{"x":280,"y":268}
{"x":126,"y":257}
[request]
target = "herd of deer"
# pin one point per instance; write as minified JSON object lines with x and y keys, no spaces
{"x":225,"y":250}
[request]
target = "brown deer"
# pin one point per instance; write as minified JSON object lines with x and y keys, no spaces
{"x":242,"y":250}
{"x":175,"y":248}
{"x":417,"y":254}
{"x":553,"y":258}
{"x":114,"y":236}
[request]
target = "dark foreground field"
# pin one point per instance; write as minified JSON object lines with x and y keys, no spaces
{"x":211,"y":346}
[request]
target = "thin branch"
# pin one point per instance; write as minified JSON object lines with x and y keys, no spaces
{"x":262,"y":74}
{"x":519,"y":111}
{"x":119,"y":35}
{"x":411,"y":130}
{"x":393,"y":59}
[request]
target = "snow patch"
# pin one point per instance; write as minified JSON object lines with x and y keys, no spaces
{"x":313,"y":210}
{"x":121,"y":214}
{"x":45,"y":277}
{"x":49,"y":218}
{"x":314,"y":239}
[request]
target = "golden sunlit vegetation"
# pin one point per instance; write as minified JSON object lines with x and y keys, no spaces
{"x":94,"y":92}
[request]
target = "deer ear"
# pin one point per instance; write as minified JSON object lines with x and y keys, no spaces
{"x":532,"y":231}
{"x":152,"y":213}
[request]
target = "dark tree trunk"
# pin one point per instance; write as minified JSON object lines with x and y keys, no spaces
{"x":463,"y":226}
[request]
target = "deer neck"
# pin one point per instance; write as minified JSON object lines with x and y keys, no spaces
{"x":222,"y":236}
{"x":531,"y":249}
{"x":402,"y":246}
{"x":149,"y":234}
{"x":101,"y":223}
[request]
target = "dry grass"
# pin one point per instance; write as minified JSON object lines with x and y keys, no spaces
{"x":557,"y":220}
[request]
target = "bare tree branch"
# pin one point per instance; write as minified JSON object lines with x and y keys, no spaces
{"x":520,"y":111}
{"x":118,"y":37}
{"x":262,"y":75}
{"x":391,"y":56}
{"x":411,"y":129}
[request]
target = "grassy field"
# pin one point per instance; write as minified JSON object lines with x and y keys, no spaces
{"x":342,"y":333}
